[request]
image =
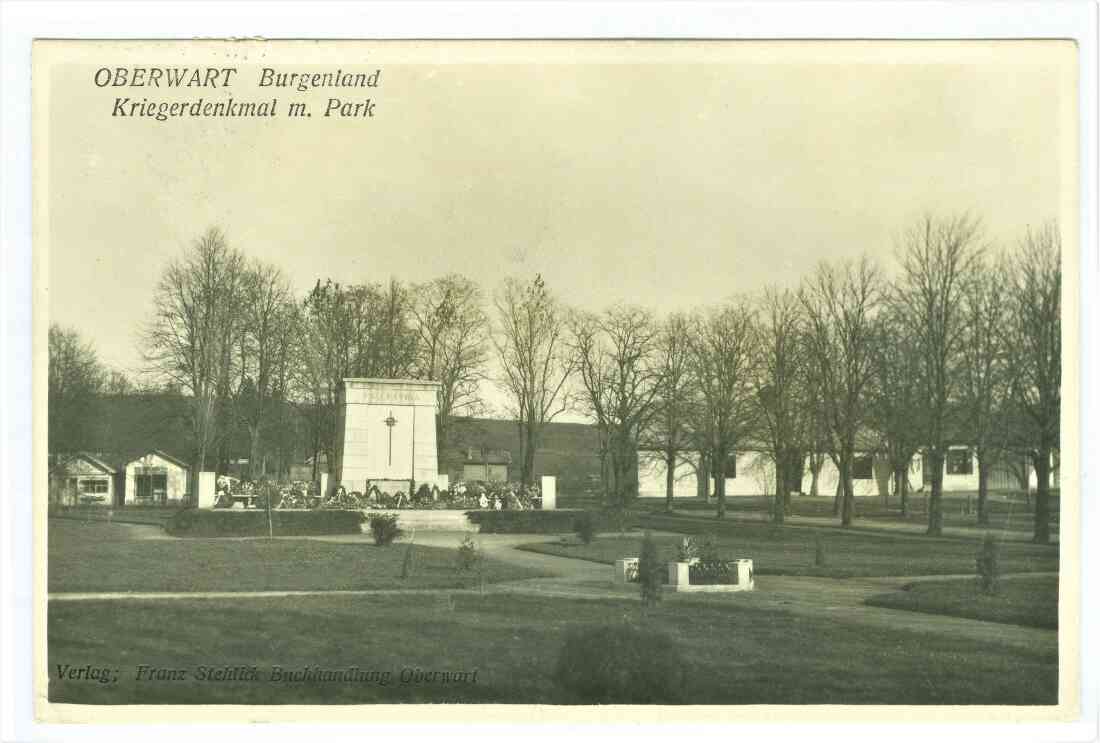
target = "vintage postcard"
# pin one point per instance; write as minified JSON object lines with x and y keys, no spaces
{"x":678,"y":380}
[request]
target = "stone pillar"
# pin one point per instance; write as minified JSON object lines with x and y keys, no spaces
{"x":678,"y":574}
{"x":207,"y":490}
{"x":745,"y":577}
{"x":324,"y":484}
{"x":549,"y":492}
{"x":443,"y":482}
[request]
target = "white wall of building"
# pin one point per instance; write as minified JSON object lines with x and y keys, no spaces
{"x":153,"y":463}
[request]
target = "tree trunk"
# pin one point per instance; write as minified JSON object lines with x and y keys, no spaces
{"x":703,"y":475}
{"x":935,"y":504}
{"x":720,"y":485}
{"x":1042,"y":495}
{"x":815,"y":470}
{"x":779,"y":504}
{"x":901,"y":482}
{"x":254,"y":467}
{"x":839,"y":495}
{"x":983,"y":489}
{"x":670,"y":472}
{"x":848,"y":504}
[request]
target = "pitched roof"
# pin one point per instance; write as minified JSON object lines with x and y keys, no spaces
{"x":95,"y":460}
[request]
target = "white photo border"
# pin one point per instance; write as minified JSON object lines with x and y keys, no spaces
{"x":24,"y":21}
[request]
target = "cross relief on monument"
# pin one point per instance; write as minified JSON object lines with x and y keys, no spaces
{"x":390,"y":423}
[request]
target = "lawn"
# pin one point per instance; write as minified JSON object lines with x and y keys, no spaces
{"x":733,"y":652}
{"x":791,"y":550}
{"x":96,"y":556}
{"x":1007,"y":511}
{"x":1030,"y":601}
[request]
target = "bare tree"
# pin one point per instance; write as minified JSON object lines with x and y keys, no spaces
{"x":723,"y":359}
{"x":191,"y":338}
{"x":532,"y":348}
{"x":615,"y":359}
{"x":840,"y":305}
{"x":1033,"y":332}
{"x":452,"y":326}
{"x":985,"y":383}
{"x":781,"y":390}
{"x":76,"y":378}
{"x":895,"y":398}
{"x":938,"y":256}
{"x":669,"y":431}
{"x":264,"y":347}
{"x":349,"y":331}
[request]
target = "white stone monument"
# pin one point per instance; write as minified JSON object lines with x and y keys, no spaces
{"x":386,"y":434}
{"x":549,"y":493}
{"x":207,"y":489}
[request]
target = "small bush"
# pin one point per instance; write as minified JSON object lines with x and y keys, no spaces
{"x":649,"y":571}
{"x":584,"y":527}
{"x":383,"y":527}
{"x":620,"y":664}
{"x":468,"y":555}
{"x":687,"y":550}
{"x":988,"y":563}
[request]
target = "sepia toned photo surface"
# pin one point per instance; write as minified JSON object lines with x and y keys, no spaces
{"x":720,"y":380}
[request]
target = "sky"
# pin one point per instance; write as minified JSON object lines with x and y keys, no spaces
{"x":663,"y":174}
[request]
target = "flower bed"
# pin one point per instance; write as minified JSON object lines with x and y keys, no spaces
{"x":461,"y":496}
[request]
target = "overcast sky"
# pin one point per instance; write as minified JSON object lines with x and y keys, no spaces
{"x":638,"y":177}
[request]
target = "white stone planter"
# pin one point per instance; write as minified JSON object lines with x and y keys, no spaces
{"x":679,"y":578}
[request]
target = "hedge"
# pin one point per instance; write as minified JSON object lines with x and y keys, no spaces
{"x":194,"y":522}
{"x":535,"y":522}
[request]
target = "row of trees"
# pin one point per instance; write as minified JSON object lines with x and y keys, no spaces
{"x":961,"y":346}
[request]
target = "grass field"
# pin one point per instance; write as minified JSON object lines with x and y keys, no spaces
{"x":1030,"y":601}
{"x":733,"y":654}
{"x":791,"y":550}
{"x":1007,"y":511}
{"x":96,"y":556}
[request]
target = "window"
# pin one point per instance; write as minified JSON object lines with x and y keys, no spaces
{"x":959,"y":462}
{"x":93,"y":485}
{"x":152,"y":486}
{"x":731,"y":466}
{"x":862,"y":467}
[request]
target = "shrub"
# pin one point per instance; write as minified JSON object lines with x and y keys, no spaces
{"x":383,"y":527}
{"x":687,"y":550}
{"x":584,"y":527}
{"x":649,"y":571}
{"x":468,"y":555}
{"x":621,"y":664}
{"x":988,"y":562}
{"x":226,"y":522}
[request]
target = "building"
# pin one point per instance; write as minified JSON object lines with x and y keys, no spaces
{"x":490,"y":465}
{"x":752,"y":473}
{"x":155,"y":478}
{"x":82,"y":478}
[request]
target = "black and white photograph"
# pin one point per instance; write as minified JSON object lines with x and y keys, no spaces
{"x":646,"y":373}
